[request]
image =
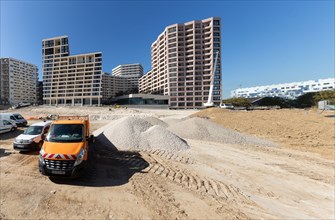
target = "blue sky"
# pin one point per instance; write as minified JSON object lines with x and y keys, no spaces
{"x":263,"y":42}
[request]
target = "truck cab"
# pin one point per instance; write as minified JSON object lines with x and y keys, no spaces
{"x":65,"y":148}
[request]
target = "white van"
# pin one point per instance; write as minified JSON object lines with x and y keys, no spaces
{"x":32,"y":137}
{"x":226,"y":105}
{"x":19,"y":120}
{"x":6,"y":125}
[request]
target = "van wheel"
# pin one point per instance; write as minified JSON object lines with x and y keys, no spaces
{"x":12,"y":129}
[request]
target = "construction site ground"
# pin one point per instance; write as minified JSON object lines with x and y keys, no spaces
{"x":212,"y":180}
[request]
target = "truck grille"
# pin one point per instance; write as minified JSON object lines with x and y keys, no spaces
{"x":59,"y":164}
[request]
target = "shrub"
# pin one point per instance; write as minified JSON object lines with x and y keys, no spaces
{"x":238,"y":102}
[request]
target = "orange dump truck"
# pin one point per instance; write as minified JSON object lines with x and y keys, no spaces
{"x":65,"y":148}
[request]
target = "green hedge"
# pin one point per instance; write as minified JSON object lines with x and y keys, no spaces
{"x":238,"y":102}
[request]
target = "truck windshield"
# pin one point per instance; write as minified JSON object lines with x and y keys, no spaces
{"x":34,"y":130}
{"x":18,"y":116}
{"x":66,"y":133}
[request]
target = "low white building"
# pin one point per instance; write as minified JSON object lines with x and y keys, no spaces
{"x":285,"y":90}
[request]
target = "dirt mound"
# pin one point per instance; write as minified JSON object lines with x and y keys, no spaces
{"x":307,"y":130}
{"x":203,"y":129}
{"x":136,"y":133}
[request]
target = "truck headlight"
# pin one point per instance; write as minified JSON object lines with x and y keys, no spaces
{"x":80,"y":157}
{"x":41,"y":159}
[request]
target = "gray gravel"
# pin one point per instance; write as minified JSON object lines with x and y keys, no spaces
{"x":139,"y":133}
{"x":158,"y":137}
{"x":203,"y":129}
{"x":155,"y":121}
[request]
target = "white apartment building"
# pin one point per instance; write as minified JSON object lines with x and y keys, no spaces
{"x":133,"y":72}
{"x":70,"y":79}
{"x":18,"y":82}
{"x":285,"y":90}
{"x":145,"y":83}
{"x":113,"y":85}
{"x":182,"y":61}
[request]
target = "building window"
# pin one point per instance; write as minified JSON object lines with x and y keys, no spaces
{"x":216,"y":22}
{"x":173,"y":29}
{"x":49,"y":51}
{"x":64,"y":41}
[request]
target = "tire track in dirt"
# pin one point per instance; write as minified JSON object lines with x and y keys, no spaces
{"x":172,"y":156}
{"x":307,"y":173}
{"x":123,"y":158}
{"x":22,"y":164}
{"x":159,"y":167}
{"x":196,"y":182}
{"x":154,"y":194}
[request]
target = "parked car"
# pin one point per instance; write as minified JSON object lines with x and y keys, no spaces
{"x":19,"y":120}
{"x":226,"y":105}
{"x":32,"y":138}
{"x":6,"y":126}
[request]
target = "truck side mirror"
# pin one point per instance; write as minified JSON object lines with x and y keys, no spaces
{"x":91,"y":138}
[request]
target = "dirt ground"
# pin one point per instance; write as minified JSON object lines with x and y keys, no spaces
{"x":210,"y":181}
{"x":303,"y":130}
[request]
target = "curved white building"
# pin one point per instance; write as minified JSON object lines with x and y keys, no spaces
{"x":285,"y":90}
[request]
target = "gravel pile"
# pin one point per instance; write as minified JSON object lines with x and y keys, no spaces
{"x":94,"y":117}
{"x":203,"y":129}
{"x":158,"y":137}
{"x":139,"y":133}
{"x":155,"y":121}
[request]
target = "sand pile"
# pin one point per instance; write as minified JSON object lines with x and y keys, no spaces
{"x":205,"y":130}
{"x":139,"y":133}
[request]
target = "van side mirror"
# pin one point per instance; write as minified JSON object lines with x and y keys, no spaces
{"x":90,"y":138}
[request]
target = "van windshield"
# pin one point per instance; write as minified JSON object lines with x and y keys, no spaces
{"x":33,"y":130}
{"x":66,"y":133}
{"x":18,"y":116}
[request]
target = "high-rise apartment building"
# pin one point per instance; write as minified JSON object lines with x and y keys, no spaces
{"x":133,"y":72}
{"x":285,"y":90}
{"x":182,"y":61}
{"x":145,"y":84}
{"x":113,"y":86}
{"x":39,"y":93}
{"x":70,"y":79}
{"x":18,"y":82}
